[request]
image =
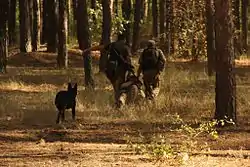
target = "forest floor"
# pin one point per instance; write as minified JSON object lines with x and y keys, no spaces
{"x":101,"y":135}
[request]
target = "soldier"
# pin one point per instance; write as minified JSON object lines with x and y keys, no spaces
{"x":151,"y":64}
{"x":115,"y":62}
{"x":130,"y":91}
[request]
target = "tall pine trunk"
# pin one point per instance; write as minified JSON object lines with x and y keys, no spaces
{"x":36,"y":25}
{"x":106,"y":24}
{"x":225,"y":90}
{"x":172,"y":27}
{"x":12,"y":22}
{"x":168,"y":27}
{"x":4,"y":7}
{"x":236,"y":20}
{"x":137,"y":25}
{"x":244,"y":18}
{"x":25,"y":30}
{"x":52,"y":25}
{"x":210,"y":37}
{"x":126,"y":12}
{"x":84,"y":41}
{"x":155,"y":18}
{"x":62,"y":57}
{"x":44,"y":20}
{"x":162,"y":22}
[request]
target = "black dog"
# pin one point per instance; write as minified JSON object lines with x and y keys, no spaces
{"x":66,"y":100}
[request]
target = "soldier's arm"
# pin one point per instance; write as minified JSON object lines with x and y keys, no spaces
{"x":162,"y":56}
{"x":162,"y":59}
{"x":94,"y":48}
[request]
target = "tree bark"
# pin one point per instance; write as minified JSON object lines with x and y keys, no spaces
{"x":4,"y":7}
{"x":52,"y":24}
{"x":172,"y":27}
{"x":36,"y":25}
{"x":168,"y":27}
{"x":137,"y":25}
{"x":155,"y":18}
{"x":236,"y":13}
{"x":162,"y":22}
{"x":237,"y":38}
{"x":126,"y":12}
{"x":225,"y":90}
{"x":244,"y":18}
{"x":44,"y":18}
{"x":106,"y":25}
{"x":25,"y":30}
{"x":62,"y":57}
{"x":12,"y":22}
{"x":84,"y":41}
{"x":210,"y":37}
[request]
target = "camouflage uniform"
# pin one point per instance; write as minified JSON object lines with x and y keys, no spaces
{"x":123,"y":65}
{"x":130,"y":91}
{"x":151,"y":77}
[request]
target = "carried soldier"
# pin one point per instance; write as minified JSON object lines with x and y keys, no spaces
{"x":130,"y":91}
{"x":115,"y":62}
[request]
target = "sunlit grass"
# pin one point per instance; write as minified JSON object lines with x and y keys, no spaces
{"x":185,"y":90}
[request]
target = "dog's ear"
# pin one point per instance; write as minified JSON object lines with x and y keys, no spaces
{"x":69,"y":86}
{"x":75,"y":86}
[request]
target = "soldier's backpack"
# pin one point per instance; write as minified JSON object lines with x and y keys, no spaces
{"x":150,"y":58}
{"x":113,"y":61}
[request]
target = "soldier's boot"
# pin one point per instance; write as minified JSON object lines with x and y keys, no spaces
{"x":121,"y":100}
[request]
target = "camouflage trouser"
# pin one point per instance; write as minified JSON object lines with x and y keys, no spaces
{"x":151,"y":82}
{"x":116,"y":82}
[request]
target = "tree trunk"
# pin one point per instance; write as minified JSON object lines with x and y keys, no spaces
{"x":52,"y":23}
{"x":126,"y":12}
{"x":237,"y":38}
{"x":155,"y":17}
{"x":106,"y":25}
{"x":44,"y":19}
{"x":36,"y":25}
{"x":142,"y":9}
{"x":162,"y":22}
{"x":210,"y":37}
{"x":25,"y":30}
{"x":149,"y":10}
{"x":84,"y":40}
{"x":4,"y":6}
{"x":145,"y":8}
{"x":31,"y":21}
{"x":172,"y":27}
{"x":137,"y":25}
{"x":62,"y":57}
{"x":244,"y":24}
{"x":168,"y":26}
{"x":225,"y":90}
{"x":12,"y":22}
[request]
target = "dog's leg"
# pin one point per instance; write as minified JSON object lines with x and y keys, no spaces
{"x":63,"y":115}
{"x":58,"y":117}
{"x":74,"y":113}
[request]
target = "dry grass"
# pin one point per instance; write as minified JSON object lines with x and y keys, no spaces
{"x":27,"y":113}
